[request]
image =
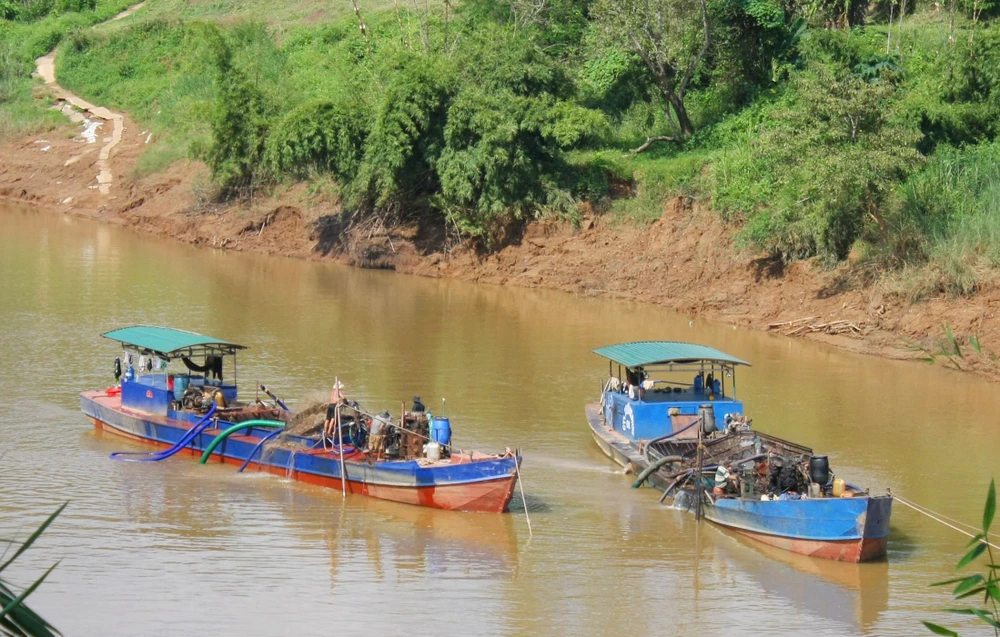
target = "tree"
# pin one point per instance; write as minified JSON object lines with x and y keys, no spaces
{"x":833,"y":159}
{"x":239,"y":130}
{"x":671,"y":37}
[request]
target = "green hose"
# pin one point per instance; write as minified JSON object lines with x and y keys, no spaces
{"x":648,"y":471}
{"x":238,"y":426}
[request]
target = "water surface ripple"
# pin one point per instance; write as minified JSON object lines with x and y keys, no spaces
{"x":175,"y":548}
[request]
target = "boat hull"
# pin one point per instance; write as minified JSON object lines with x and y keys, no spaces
{"x":842,"y":529}
{"x":479,"y":485}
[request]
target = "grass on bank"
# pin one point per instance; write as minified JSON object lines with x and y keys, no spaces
{"x":21,"y":43}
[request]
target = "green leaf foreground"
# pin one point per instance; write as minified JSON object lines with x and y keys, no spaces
{"x":991,"y":507}
{"x":988,"y":584}
{"x":16,"y":618}
{"x":939,"y":630}
{"x":34,"y":536}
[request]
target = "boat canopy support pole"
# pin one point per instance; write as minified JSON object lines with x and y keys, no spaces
{"x":699,"y":486}
{"x":340,"y":444}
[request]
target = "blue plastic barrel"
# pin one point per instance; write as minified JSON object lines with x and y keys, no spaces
{"x":180,"y":386}
{"x":441,"y":431}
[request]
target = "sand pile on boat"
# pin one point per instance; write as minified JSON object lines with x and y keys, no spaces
{"x":309,"y":417}
{"x":307,"y":423}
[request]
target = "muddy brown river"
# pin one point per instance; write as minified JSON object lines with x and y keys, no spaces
{"x":177,"y":548}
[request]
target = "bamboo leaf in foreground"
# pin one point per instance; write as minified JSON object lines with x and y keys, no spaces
{"x":939,"y":630}
{"x":24,"y":621}
{"x":991,"y":506}
{"x":34,"y":536}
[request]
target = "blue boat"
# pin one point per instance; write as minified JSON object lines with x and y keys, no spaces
{"x":668,"y":410}
{"x":195,"y":410}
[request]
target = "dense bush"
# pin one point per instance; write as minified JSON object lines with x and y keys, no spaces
{"x":316,"y":137}
{"x":407,"y":135}
{"x":833,"y":160}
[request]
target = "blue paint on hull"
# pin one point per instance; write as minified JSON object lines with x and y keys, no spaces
{"x":406,"y":474}
{"x":820,"y":519}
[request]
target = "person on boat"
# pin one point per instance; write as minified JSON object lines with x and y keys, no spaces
{"x":336,"y":398}
{"x":376,"y":435}
{"x":418,"y":407}
{"x":725,"y":481}
{"x":633,"y":384}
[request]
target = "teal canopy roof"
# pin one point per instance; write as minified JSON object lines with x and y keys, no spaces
{"x":170,"y":343}
{"x":643,"y":353}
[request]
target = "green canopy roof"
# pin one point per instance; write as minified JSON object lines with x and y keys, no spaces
{"x":642,"y":353}
{"x":168,"y":342}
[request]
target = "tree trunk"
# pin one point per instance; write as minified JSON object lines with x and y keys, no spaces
{"x":687,"y":128}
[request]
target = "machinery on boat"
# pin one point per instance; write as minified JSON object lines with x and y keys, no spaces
{"x":196,"y":409}
{"x":669,"y":411}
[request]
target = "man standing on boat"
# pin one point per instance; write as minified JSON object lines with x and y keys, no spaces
{"x":376,"y":435}
{"x":336,"y":397}
{"x":725,"y":481}
{"x":418,"y":407}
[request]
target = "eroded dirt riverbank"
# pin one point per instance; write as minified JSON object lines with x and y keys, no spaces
{"x":686,"y":260}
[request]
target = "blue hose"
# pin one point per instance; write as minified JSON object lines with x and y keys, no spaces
{"x":153,"y":456}
{"x":257,"y":448}
{"x":276,"y":400}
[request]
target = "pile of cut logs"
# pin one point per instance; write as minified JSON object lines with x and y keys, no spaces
{"x":809,"y":324}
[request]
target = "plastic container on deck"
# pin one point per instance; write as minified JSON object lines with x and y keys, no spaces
{"x":441,"y":431}
{"x":180,"y":386}
{"x":432,"y":451}
{"x":838,"y":487}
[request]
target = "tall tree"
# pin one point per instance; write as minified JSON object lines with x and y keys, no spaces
{"x":671,"y":37}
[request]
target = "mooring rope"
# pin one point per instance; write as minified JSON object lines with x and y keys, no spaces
{"x":940,"y":515}
{"x":524,"y":501}
{"x":933,"y":515}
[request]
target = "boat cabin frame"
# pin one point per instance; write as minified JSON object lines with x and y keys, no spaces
{"x":154,"y":388}
{"x":688,"y":376}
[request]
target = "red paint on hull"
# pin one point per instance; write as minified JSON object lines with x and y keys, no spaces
{"x":862,"y":550}
{"x":491,"y":496}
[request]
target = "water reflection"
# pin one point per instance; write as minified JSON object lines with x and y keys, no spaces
{"x":853,"y":595}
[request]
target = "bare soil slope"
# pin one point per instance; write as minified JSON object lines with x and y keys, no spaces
{"x":685,"y":261}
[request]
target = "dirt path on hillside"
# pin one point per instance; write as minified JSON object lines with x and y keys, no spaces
{"x":45,"y":66}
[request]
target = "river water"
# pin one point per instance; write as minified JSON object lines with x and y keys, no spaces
{"x":176,"y":548}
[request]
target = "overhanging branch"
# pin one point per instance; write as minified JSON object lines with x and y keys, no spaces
{"x":652,"y":140}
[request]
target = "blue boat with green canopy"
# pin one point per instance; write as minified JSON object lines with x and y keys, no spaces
{"x":178,"y":390}
{"x":654,"y":385}
{"x":668,"y":411}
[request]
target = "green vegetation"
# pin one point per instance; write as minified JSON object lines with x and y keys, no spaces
{"x":16,"y":618}
{"x":28,"y":30}
{"x":841,"y":131}
{"x":972,"y":586}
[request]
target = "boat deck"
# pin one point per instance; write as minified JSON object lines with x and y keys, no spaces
{"x":114,"y":403}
